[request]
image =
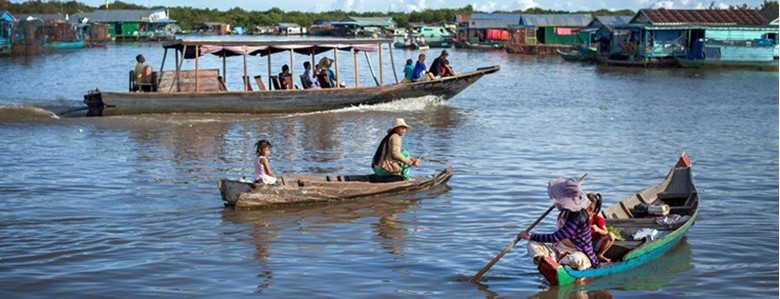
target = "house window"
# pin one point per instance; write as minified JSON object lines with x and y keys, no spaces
{"x":772,"y":36}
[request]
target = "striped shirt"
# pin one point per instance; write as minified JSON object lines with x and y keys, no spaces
{"x":578,"y":233}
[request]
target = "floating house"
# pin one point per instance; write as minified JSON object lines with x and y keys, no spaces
{"x":57,"y":31}
{"x":125,"y":24}
{"x":7,"y":22}
{"x":368,"y":26}
{"x":665,"y":36}
{"x":28,"y":38}
{"x":542,"y":33}
{"x":601,"y":30}
{"x":484,"y":31}
{"x":211,"y":28}
{"x":289,"y":29}
{"x":770,"y":15}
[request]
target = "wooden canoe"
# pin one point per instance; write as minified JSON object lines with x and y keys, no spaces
{"x":300,"y":190}
{"x":677,"y":191}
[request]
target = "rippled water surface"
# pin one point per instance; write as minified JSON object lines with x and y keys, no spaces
{"x":128,"y":206}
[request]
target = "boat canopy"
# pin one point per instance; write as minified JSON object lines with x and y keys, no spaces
{"x":264,"y":48}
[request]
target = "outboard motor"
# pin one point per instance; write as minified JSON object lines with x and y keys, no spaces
{"x":94,"y":103}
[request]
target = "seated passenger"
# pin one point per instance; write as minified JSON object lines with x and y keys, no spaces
{"x":408,"y":72}
{"x":263,"y":172}
{"x":283,"y":77}
{"x":438,"y":64}
{"x":390,"y":159}
{"x":325,"y":64}
{"x":602,"y":238}
{"x":419,"y":73}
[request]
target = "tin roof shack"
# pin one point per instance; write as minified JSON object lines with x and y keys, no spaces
{"x":601,"y":30}
{"x":368,"y":26}
{"x":126,"y":24}
{"x":770,"y":15}
{"x":211,"y":28}
{"x":289,"y":29}
{"x":7,"y":22}
{"x":658,"y":36}
{"x":546,"y":33}
{"x":484,"y":31}
{"x":28,"y":37}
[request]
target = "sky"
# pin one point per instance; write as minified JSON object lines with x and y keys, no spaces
{"x":418,"y":5}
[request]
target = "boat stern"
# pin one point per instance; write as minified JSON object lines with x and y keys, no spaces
{"x":94,"y":101}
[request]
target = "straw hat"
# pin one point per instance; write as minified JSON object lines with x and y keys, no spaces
{"x":399,"y":122}
{"x":567,"y":194}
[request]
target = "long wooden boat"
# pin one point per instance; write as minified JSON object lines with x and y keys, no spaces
{"x":677,"y":191}
{"x":301,"y":190}
{"x":204,"y":91}
{"x":771,"y":65}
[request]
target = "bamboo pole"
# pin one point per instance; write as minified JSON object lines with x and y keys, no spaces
{"x":292,"y":70}
{"x":162,"y":66}
{"x":355,"y":57}
{"x":178,"y":68}
{"x":392,"y":62}
{"x":224,"y":67}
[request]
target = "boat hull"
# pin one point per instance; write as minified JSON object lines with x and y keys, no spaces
{"x":302,"y":190}
{"x":276,"y":101}
{"x":703,"y":63}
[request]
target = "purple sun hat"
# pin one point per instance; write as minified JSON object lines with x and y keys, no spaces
{"x":567,"y":194}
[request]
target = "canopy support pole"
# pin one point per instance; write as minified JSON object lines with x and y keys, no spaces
{"x":355,"y":57}
{"x":292,"y":70}
{"x":371,"y":68}
{"x":336,"y":60}
{"x":270,"y":83}
{"x":178,"y":67}
{"x":246,"y":79}
{"x":392,"y":62}
{"x":381,"y":69}
{"x":162,"y":66}
{"x":197,"y":58}
{"x":224,"y":67}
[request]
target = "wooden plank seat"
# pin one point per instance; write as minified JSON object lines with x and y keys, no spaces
{"x":208,"y":81}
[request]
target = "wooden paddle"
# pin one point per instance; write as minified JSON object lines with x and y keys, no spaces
{"x":512,"y":244}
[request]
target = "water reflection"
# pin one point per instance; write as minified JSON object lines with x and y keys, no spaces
{"x":654,"y":276}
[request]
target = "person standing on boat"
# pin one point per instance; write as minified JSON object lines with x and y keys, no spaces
{"x":263,"y":172}
{"x":573,"y":224}
{"x":390,"y":159}
{"x":419,"y":69}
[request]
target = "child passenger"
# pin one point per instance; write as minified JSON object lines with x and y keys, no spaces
{"x":263,"y":172}
{"x":602,"y":238}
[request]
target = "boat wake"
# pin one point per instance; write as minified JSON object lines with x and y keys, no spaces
{"x":404,"y":105}
{"x":23,"y":114}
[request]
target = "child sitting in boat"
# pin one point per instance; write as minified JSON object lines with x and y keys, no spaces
{"x":602,"y":238}
{"x":263,"y":172}
{"x":408,"y":71}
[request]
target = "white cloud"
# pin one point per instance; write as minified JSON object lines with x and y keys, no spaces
{"x":490,"y":6}
{"x":665,"y":4}
{"x":526,"y":4}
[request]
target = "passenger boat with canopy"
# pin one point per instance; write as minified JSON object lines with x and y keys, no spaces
{"x":204,"y":90}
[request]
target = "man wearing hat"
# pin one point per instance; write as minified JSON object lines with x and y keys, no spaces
{"x":390,"y":159}
{"x":438,"y":65}
{"x":573,"y":225}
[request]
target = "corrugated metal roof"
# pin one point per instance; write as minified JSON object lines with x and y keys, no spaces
{"x":376,"y":21}
{"x":116,"y":15}
{"x":488,"y":24}
{"x":44,"y":17}
{"x":560,"y":20}
{"x":287,"y":25}
{"x":7,"y":16}
{"x":770,"y":14}
{"x":739,"y":17}
{"x":488,"y":16}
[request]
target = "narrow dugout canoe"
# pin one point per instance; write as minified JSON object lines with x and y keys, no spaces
{"x":297,"y":190}
{"x":677,"y":191}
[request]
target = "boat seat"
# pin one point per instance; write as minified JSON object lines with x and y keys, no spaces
{"x":208,"y":80}
{"x":222,"y":86}
{"x":275,"y":83}
{"x":260,"y":84}
{"x":247,"y":84}
{"x":324,"y":80}
{"x":620,"y":248}
{"x":385,"y":179}
{"x":305,"y":81}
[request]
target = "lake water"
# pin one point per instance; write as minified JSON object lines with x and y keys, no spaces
{"x":128,"y":206}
